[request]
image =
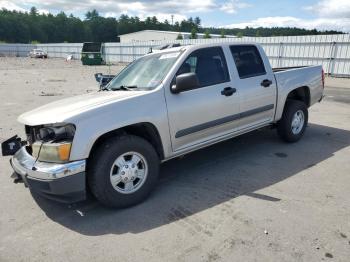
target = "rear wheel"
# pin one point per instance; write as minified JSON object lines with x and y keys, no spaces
{"x":294,"y":120}
{"x":123,"y":171}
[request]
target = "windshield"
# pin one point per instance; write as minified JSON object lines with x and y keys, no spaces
{"x":145,"y":73}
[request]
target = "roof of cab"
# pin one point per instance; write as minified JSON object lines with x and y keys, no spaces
{"x":197,"y":46}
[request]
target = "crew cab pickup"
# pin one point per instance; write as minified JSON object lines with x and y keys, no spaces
{"x":163,"y":105}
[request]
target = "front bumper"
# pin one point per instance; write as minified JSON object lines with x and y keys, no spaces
{"x":61,"y":182}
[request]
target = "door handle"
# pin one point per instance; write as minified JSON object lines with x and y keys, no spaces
{"x":266,"y":83}
{"x":228,"y":91}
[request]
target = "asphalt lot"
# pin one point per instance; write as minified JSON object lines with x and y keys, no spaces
{"x":252,"y":198}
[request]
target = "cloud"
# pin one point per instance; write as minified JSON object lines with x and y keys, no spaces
{"x":162,"y":9}
{"x":142,"y":8}
{"x":331,"y":15}
{"x":10,"y":6}
{"x":43,"y":11}
{"x":233,"y":6}
{"x":331,"y":8}
{"x":135,"y":7}
{"x":290,"y":21}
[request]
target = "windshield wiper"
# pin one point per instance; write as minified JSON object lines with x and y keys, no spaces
{"x":124,"y":87}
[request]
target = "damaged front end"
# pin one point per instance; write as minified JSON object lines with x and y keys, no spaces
{"x":10,"y":146}
{"x":42,"y":162}
{"x":51,"y":143}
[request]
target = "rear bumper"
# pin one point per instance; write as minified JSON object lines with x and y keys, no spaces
{"x":61,"y":182}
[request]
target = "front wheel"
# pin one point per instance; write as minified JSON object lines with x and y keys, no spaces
{"x":294,"y":120}
{"x":123,"y":171}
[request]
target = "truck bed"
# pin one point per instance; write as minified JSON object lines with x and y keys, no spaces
{"x":289,"y":78}
{"x":280,"y":69}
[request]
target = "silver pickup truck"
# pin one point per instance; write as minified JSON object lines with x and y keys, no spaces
{"x":163,"y":105}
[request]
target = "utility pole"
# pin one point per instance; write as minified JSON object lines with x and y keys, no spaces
{"x":172,"y":19}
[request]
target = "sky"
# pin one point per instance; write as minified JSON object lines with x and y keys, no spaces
{"x":310,"y":14}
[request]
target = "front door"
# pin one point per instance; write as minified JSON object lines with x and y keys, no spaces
{"x":199,"y":115}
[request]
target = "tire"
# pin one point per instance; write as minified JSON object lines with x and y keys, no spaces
{"x":286,"y":129}
{"x":104,"y":167}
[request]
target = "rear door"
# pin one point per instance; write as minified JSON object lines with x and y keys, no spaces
{"x":200,"y":115}
{"x":256,"y":84}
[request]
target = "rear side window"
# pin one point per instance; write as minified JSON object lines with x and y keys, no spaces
{"x":209,"y":64}
{"x":248,"y":61}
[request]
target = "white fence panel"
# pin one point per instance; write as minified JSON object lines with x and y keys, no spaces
{"x":330,"y":51}
{"x":62,"y":50}
{"x":18,"y":50}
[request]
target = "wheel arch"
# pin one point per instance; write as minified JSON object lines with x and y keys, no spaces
{"x":145,"y":130}
{"x":301,"y":93}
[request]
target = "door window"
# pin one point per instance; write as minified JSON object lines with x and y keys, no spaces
{"x":248,"y":60}
{"x":209,"y":64}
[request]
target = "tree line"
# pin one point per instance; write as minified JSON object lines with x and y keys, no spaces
{"x":33,"y":27}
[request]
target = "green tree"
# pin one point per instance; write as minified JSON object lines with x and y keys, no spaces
{"x":193,"y":33}
{"x":33,"y":11}
{"x":92,"y":15}
{"x":197,"y":21}
{"x":154,"y":21}
{"x":165,"y":25}
{"x":176,"y":26}
{"x":222,"y":33}
{"x":25,"y":27}
{"x":206,"y":34}
{"x":239,"y":35}
{"x":179,"y":37}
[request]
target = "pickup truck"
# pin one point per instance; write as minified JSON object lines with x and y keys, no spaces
{"x":161,"y":106}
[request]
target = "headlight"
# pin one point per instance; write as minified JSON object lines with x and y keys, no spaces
{"x":56,"y":133}
{"x":53,"y":143}
{"x":52,"y":152}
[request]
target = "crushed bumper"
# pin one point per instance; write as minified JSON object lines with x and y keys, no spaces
{"x":61,"y":182}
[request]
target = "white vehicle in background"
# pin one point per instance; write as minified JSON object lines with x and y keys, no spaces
{"x":37,"y":53}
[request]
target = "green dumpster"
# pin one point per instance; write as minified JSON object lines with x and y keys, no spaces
{"x":91,"y":54}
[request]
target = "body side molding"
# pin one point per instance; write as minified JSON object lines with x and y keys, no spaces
{"x":221,"y":121}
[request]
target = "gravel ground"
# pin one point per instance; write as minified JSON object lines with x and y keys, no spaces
{"x":252,"y":198}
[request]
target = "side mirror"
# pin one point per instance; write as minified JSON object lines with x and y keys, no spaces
{"x":103,"y":80}
{"x":185,"y":82}
{"x":98,"y":77}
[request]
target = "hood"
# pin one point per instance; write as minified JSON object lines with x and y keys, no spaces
{"x":61,"y":110}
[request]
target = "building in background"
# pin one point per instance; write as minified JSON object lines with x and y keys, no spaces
{"x":155,"y":35}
